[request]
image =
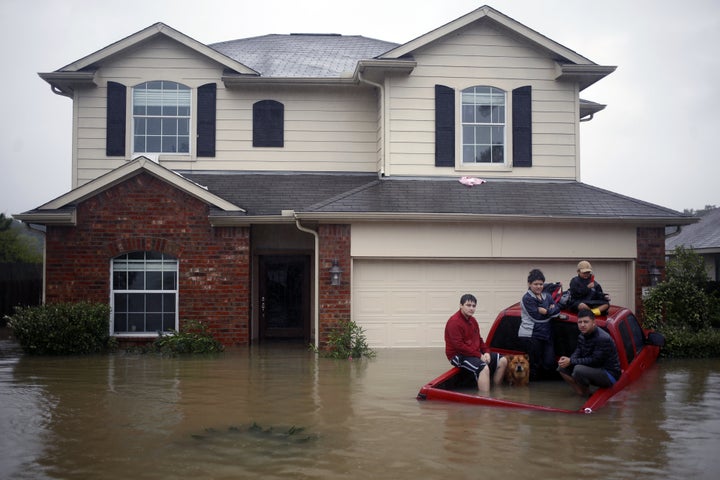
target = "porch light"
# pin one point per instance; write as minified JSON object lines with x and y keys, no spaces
{"x":655,"y":274}
{"x":335,"y":273}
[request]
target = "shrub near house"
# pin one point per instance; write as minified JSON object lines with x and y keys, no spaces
{"x":682,"y":308}
{"x":62,"y":329}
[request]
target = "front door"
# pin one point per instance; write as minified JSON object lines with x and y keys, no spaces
{"x":284,"y":297}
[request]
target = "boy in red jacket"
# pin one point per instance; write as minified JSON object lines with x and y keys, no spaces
{"x":465,"y":347}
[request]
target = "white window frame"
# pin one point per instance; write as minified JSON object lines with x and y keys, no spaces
{"x":175,"y":103}
{"x":136,"y":266}
{"x":497,"y":126}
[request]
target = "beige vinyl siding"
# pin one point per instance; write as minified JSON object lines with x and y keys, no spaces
{"x":326,"y":128}
{"x":482,"y":55}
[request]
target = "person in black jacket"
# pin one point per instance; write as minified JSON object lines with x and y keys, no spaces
{"x":595,"y":360}
{"x":585,"y":292}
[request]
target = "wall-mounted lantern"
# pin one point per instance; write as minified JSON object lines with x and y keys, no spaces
{"x":335,"y":273}
{"x":655,"y":275}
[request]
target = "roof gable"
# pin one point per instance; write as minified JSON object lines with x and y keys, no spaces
{"x":571,"y":65}
{"x":140,"y":164}
{"x":148,"y":33}
{"x":483,"y":13}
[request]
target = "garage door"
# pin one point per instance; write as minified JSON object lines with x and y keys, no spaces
{"x":405,"y":303}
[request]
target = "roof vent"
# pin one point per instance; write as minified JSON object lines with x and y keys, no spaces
{"x":319,"y":34}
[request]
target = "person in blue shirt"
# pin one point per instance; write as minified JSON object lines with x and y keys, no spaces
{"x":535,"y":332}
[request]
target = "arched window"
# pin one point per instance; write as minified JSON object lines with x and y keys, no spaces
{"x":144,"y":293}
{"x":161,"y":118}
{"x":268,"y":124}
{"x":483,"y":125}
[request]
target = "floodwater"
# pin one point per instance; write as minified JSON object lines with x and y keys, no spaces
{"x":280,"y":412}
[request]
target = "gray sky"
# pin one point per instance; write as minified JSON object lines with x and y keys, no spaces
{"x":653,"y":142}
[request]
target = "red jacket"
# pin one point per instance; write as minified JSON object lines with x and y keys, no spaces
{"x":462,"y":336}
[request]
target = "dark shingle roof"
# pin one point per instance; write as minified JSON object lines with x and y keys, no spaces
{"x":269,"y":193}
{"x":702,"y":235}
{"x":303,"y":55}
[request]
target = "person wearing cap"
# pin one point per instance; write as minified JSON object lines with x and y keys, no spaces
{"x":586,"y":293}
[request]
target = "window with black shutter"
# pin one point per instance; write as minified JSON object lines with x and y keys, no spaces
{"x":115,"y":118}
{"x":268,"y":124}
{"x":522,"y":126}
{"x":444,"y":126}
{"x":206,"y":120}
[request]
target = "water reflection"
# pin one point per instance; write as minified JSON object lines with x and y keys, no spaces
{"x":281,"y":412}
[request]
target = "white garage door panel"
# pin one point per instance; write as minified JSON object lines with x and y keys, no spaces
{"x":405,"y":303}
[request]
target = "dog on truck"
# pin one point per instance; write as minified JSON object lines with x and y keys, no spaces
{"x":517,"y":373}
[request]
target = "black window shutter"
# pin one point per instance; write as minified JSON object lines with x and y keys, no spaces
{"x":522,"y":126}
{"x":268,"y":124}
{"x":444,"y":126}
{"x":115,"y":126}
{"x":206,"y":120}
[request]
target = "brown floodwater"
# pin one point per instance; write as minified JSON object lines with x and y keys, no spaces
{"x":280,"y":412}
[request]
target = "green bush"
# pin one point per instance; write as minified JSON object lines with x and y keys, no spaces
{"x":685,"y":308}
{"x":194,"y":338}
{"x":682,"y":300}
{"x":62,"y":328}
{"x":347,"y":341}
{"x":682,"y":343}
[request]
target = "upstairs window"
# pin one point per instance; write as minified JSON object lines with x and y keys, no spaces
{"x":144,"y":293}
{"x":487,"y":127}
{"x":483,"y":125}
{"x":268,"y":124}
{"x":161,"y":117}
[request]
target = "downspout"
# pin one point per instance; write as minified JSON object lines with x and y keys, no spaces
{"x":385,"y":139}
{"x":317,"y":277}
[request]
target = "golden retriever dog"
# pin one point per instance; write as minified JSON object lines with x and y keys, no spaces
{"x":517,"y":372}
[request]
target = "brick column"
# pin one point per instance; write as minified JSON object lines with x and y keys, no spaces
{"x":650,"y":251}
{"x":334,"y":300}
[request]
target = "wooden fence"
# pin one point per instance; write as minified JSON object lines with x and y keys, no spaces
{"x":20,"y":284}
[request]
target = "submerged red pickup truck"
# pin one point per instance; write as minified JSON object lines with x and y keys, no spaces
{"x":638,"y":350}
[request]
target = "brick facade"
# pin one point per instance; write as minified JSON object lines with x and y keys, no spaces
{"x":145,"y":213}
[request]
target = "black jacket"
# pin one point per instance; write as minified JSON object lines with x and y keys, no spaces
{"x":598,"y":350}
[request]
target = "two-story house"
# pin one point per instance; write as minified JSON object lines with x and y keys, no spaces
{"x":273,"y":186}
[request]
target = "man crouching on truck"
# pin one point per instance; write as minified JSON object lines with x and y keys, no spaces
{"x":595,"y":359}
{"x":465,"y":347}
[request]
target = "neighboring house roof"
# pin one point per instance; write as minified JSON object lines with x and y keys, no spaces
{"x":701,"y":236}
{"x":303,"y":55}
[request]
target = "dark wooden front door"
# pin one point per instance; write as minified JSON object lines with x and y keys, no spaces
{"x":285,"y":297}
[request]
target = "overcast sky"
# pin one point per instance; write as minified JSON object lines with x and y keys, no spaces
{"x":656,"y":140}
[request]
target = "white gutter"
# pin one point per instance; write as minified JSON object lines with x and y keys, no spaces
{"x":317,"y":274}
{"x":385,"y":141}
